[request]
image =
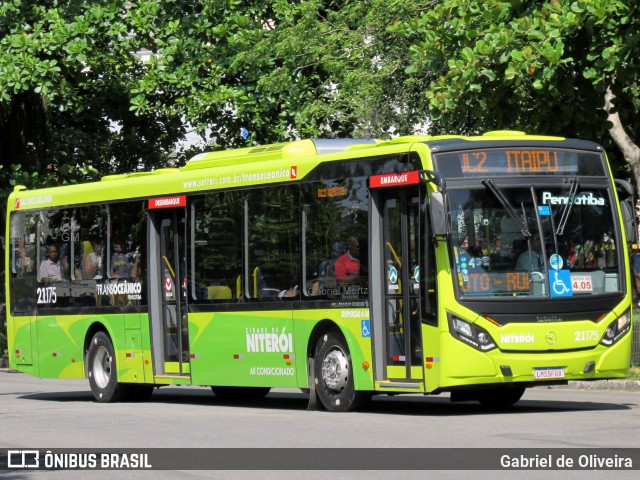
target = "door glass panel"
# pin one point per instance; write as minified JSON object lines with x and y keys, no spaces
{"x":173,"y":286}
{"x":393,"y":290}
{"x":413,"y":273}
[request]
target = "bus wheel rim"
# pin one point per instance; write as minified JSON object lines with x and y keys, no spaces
{"x":335,"y":370}
{"x":102,"y":368}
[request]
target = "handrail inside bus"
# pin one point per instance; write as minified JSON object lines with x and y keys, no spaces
{"x":166,"y":261}
{"x":395,"y":255}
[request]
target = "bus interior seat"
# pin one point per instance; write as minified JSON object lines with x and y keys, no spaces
{"x":263,"y":284}
{"x":219,"y":292}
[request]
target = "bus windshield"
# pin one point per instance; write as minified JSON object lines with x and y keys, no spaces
{"x":542,"y":241}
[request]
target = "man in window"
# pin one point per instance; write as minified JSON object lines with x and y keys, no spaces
{"x":531,"y":260}
{"x":124,"y":265}
{"x":50,"y":268}
{"x":348,"y":265}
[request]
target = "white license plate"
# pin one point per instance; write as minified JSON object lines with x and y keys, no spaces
{"x":548,"y":373}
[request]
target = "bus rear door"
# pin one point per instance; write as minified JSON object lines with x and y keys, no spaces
{"x":395,"y":281}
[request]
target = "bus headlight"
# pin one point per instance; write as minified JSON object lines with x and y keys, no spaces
{"x":617,"y":329}
{"x":471,"y":334}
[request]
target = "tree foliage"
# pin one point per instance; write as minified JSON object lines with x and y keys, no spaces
{"x":65,"y":76}
{"x":535,"y":66}
{"x":279,"y":69}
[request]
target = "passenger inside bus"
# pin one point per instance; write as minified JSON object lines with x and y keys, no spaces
{"x":92,"y":263}
{"x":531,"y":259}
{"x":324,"y":277}
{"x":23,"y":262}
{"x":347,"y":266}
{"x":292,"y":291}
{"x":124,"y":265}
{"x":50,"y":269}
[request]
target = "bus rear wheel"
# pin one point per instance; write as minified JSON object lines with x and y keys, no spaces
{"x":500,"y":397}
{"x":333,"y":375}
{"x":102,"y":371}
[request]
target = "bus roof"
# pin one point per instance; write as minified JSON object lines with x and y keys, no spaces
{"x":295,"y":149}
{"x":263,"y":164}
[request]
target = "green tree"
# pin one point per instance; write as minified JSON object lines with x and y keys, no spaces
{"x":560,"y":67}
{"x":65,"y":77}
{"x":279,"y":69}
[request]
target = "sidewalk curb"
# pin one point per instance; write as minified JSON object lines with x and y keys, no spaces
{"x":622,"y":385}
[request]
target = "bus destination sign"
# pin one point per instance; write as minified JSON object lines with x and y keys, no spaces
{"x":520,"y":161}
{"x":517,"y":162}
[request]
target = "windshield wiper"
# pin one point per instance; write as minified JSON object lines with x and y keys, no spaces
{"x":491,"y":185}
{"x":568,"y":206}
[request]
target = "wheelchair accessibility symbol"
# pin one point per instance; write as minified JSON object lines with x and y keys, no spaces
{"x":366,"y":328}
{"x":560,"y":282}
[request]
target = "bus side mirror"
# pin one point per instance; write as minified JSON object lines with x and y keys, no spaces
{"x":629,"y":219}
{"x":438,"y":214}
{"x":627,"y":205}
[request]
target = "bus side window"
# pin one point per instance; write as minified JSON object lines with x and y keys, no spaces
{"x":23,"y":258}
{"x":214,"y":259}
{"x":23,"y":269}
{"x":273,"y":240}
{"x":125,"y":256}
{"x":335,"y":231}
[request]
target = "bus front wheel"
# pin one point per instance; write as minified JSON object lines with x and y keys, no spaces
{"x":103,"y":377}
{"x":333,"y":375}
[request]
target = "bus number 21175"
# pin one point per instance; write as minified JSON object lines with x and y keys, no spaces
{"x":47,"y":295}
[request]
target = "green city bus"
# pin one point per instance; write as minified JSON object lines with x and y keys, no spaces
{"x":478,"y":266}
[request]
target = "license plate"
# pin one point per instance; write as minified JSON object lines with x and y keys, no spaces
{"x":548,"y":373}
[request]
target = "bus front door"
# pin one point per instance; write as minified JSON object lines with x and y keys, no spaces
{"x":395,"y":281}
{"x":167,"y":292}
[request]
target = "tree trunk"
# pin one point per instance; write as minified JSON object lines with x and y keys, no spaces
{"x":23,"y":132}
{"x":630,"y":150}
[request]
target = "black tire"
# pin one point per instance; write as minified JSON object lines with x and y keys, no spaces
{"x":240,"y":394}
{"x":500,"y":397}
{"x":333,"y":375}
{"x":102,"y":371}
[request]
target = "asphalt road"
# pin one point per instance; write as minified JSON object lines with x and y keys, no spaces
{"x":57,"y":414}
